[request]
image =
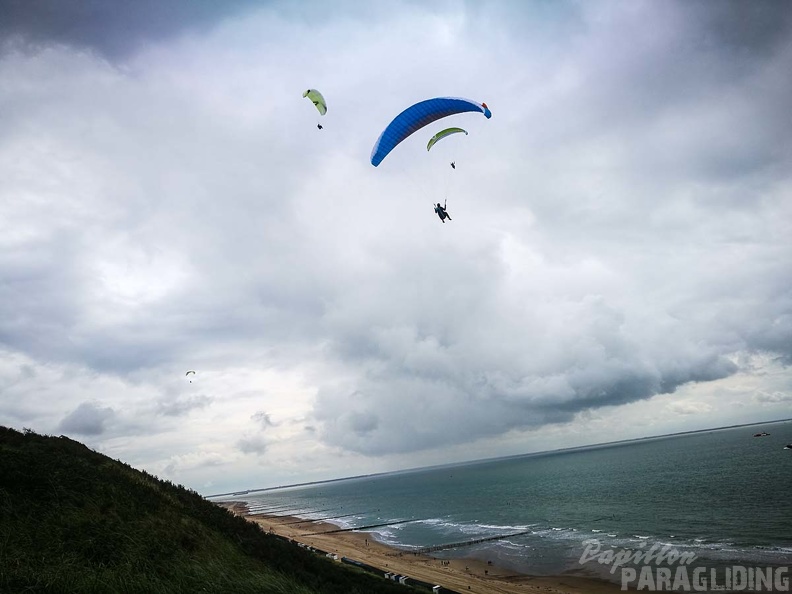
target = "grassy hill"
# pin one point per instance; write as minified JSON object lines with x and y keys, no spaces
{"x":74,"y":520}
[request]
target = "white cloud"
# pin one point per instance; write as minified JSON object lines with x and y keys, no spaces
{"x":192,"y":461}
{"x":774,"y":397}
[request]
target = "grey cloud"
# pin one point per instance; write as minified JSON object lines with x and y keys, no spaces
{"x":87,"y":419}
{"x":252,"y":445}
{"x":674,"y":98}
{"x":477,"y":368}
{"x":415,"y":413}
{"x":37,"y":292}
{"x":263,"y":419}
{"x":753,"y":28}
{"x":113,"y":28}
{"x":773,"y":398}
{"x":53,"y":288}
{"x":181,"y":407}
{"x":360,"y":423}
{"x":773,"y":334}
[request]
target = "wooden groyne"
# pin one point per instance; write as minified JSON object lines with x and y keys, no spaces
{"x":325,"y":519}
{"x":272,"y":508}
{"x":339,"y":517}
{"x":306,"y":520}
{"x":278,"y":512}
{"x":366,"y":527}
{"x":467,"y":543}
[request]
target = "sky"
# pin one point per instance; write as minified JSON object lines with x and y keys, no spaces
{"x":618,"y":264}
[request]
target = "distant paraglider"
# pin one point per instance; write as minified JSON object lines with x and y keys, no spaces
{"x":443,"y":134}
{"x":189,"y":373}
{"x":319,"y":102}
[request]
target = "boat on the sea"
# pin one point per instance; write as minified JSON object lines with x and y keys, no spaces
{"x":762,"y":434}
{"x":788,"y":446}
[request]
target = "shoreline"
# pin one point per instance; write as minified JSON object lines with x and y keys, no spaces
{"x":462,"y":574}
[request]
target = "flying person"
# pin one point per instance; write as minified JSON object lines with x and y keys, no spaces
{"x":319,"y":126}
{"x":453,"y":164}
{"x":441,"y":212}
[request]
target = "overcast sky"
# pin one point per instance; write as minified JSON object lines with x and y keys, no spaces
{"x":619,"y":263}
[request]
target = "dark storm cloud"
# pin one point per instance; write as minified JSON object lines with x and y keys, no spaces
{"x":674,"y":95}
{"x":741,"y":28}
{"x":456,"y":393}
{"x":87,"y":419}
{"x":113,"y":28}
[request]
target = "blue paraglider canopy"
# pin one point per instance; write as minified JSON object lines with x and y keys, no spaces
{"x":416,"y":117}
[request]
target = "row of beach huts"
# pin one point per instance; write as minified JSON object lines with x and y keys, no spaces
{"x":388,"y":575}
{"x":402,"y":579}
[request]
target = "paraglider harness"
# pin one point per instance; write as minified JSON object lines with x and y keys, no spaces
{"x":441,"y":211}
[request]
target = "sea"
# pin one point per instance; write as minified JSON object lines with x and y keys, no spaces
{"x":717,"y":498}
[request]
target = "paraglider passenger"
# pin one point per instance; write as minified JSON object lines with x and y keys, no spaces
{"x":441,"y":212}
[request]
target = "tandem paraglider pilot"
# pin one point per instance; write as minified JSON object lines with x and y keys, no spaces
{"x":441,"y":212}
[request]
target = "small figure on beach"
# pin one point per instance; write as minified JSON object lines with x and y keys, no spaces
{"x":441,"y":212}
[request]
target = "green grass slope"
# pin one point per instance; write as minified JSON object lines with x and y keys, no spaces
{"x":74,"y":520}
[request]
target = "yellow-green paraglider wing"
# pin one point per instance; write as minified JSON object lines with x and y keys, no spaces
{"x":442,"y":134}
{"x":317,"y":99}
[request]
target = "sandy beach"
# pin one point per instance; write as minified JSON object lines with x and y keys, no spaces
{"x":463,"y":575}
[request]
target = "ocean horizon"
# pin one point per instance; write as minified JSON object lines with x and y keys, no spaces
{"x":719,"y":496}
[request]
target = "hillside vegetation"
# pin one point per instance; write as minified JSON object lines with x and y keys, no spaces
{"x":74,"y":520}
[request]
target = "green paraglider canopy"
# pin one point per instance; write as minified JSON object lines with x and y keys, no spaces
{"x":442,"y":134}
{"x":317,"y":99}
